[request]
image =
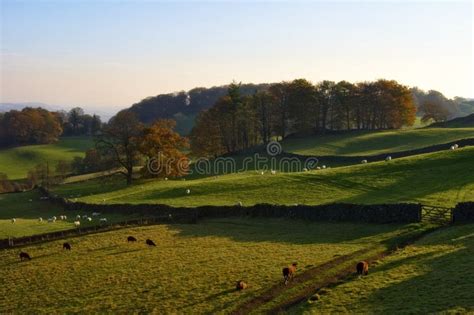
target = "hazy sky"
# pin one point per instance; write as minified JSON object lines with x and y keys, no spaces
{"x":115,"y":53}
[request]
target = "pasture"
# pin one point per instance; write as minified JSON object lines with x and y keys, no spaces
{"x":374,"y":142}
{"x":27,"y":208}
{"x":17,"y":161}
{"x":432,"y":276}
{"x":193,"y":269}
{"x":442,"y":178}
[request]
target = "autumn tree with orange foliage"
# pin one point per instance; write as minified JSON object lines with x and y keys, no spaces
{"x":163,"y":147}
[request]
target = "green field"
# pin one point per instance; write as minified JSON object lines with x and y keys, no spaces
{"x":372,"y":143}
{"x":16,"y":162}
{"x":432,"y":276}
{"x":27,"y":208}
{"x":442,"y":178}
{"x":193,"y":269}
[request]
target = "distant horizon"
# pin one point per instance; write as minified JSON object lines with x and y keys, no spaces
{"x":111,"y":55}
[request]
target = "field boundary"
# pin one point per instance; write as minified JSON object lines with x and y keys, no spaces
{"x":76,"y":232}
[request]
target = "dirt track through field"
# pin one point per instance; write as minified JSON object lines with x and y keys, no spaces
{"x":303,"y":294}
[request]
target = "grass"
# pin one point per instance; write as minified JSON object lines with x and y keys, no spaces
{"x":372,"y":143}
{"x":17,"y":161}
{"x":442,"y":178}
{"x":26,"y":212}
{"x":432,"y":276}
{"x":193,"y":269}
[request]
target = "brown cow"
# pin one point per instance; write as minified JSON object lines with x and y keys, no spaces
{"x":240,"y":285}
{"x":24,"y":256}
{"x":289,"y":272}
{"x":67,"y":246}
{"x":363,"y":268}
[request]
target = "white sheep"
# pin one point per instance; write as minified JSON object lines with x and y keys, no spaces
{"x":13,"y":220}
{"x":305,"y":169}
{"x":65,"y":217}
{"x":166,"y":178}
{"x":318,"y":168}
{"x":364,"y":162}
{"x":78,"y":217}
{"x":51,"y":220}
{"x":54,"y":218}
{"x":61,"y":217}
{"x":188,"y":191}
{"x":95,"y":214}
{"x":388,"y":158}
{"x":453,"y":148}
{"x":239,"y":204}
{"x":273,"y":172}
{"x":103,"y":220}
{"x":89,"y":219}
{"x":262,"y":173}
{"x":77,"y":223}
{"x":324,"y":167}
{"x":40,"y":219}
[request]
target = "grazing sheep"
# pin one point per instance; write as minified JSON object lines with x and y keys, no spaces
{"x":239,"y":204}
{"x":89,"y":219}
{"x":305,"y":169}
{"x":24,"y":256}
{"x":453,"y":148}
{"x":61,"y":217}
{"x":54,"y":218}
{"x":67,"y":246}
{"x":95,"y":214}
{"x":262,"y":173}
{"x":102,"y":220}
{"x":13,"y":220}
{"x":456,"y":146}
{"x":40,"y":219}
{"x":78,"y":217}
{"x":166,"y":178}
{"x":31,"y":200}
{"x":324,"y":167}
{"x":318,"y":168}
{"x":188,"y":191}
{"x":240,"y":285}
{"x":149,"y":242}
{"x":364,"y":162}
{"x":77,"y":223}
{"x":51,"y":220}
{"x":65,"y":217}
{"x":362,"y":268}
{"x":131,"y":239}
{"x":273,"y":172}
{"x":388,"y":158}
{"x":289,"y":272}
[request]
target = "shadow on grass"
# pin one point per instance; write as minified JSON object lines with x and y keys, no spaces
{"x":292,"y":231}
{"x":447,"y":284}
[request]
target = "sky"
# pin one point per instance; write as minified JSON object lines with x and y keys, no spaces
{"x":111,"y":54}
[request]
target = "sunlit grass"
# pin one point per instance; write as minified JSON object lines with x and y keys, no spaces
{"x":193,"y":269}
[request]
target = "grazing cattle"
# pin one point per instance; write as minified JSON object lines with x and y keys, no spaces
{"x":149,"y":242}
{"x":363,"y":268}
{"x":67,"y":246}
{"x":240,"y":285}
{"x":131,"y":239}
{"x":24,"y":256}
{"x":289,"y":272}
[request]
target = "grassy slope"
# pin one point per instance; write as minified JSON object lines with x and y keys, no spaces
{"x":192,"y":270}
{"x":371,"y":143}
{"x":441,"y":178}
{"x":432,"y":276}
{"x":27,"y":213}
{"x":16,"y":162}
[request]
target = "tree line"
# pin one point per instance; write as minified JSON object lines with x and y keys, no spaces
{"x":40,"y":126}
{"x":238,"y":122}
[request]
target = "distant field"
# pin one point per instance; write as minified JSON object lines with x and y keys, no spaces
{"x":16,"y":162}
{"x":19,"y":206}
{"x":378,"y":142}
{"x":193,"y":269}
{"x":442,"y":178}
{"x":432,"y":276}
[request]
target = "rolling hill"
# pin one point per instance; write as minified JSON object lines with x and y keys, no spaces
{"x":17,"y":161}
{"x":461,"y":122}
{"x":441,"y":178}
{"x":374,"y":142}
